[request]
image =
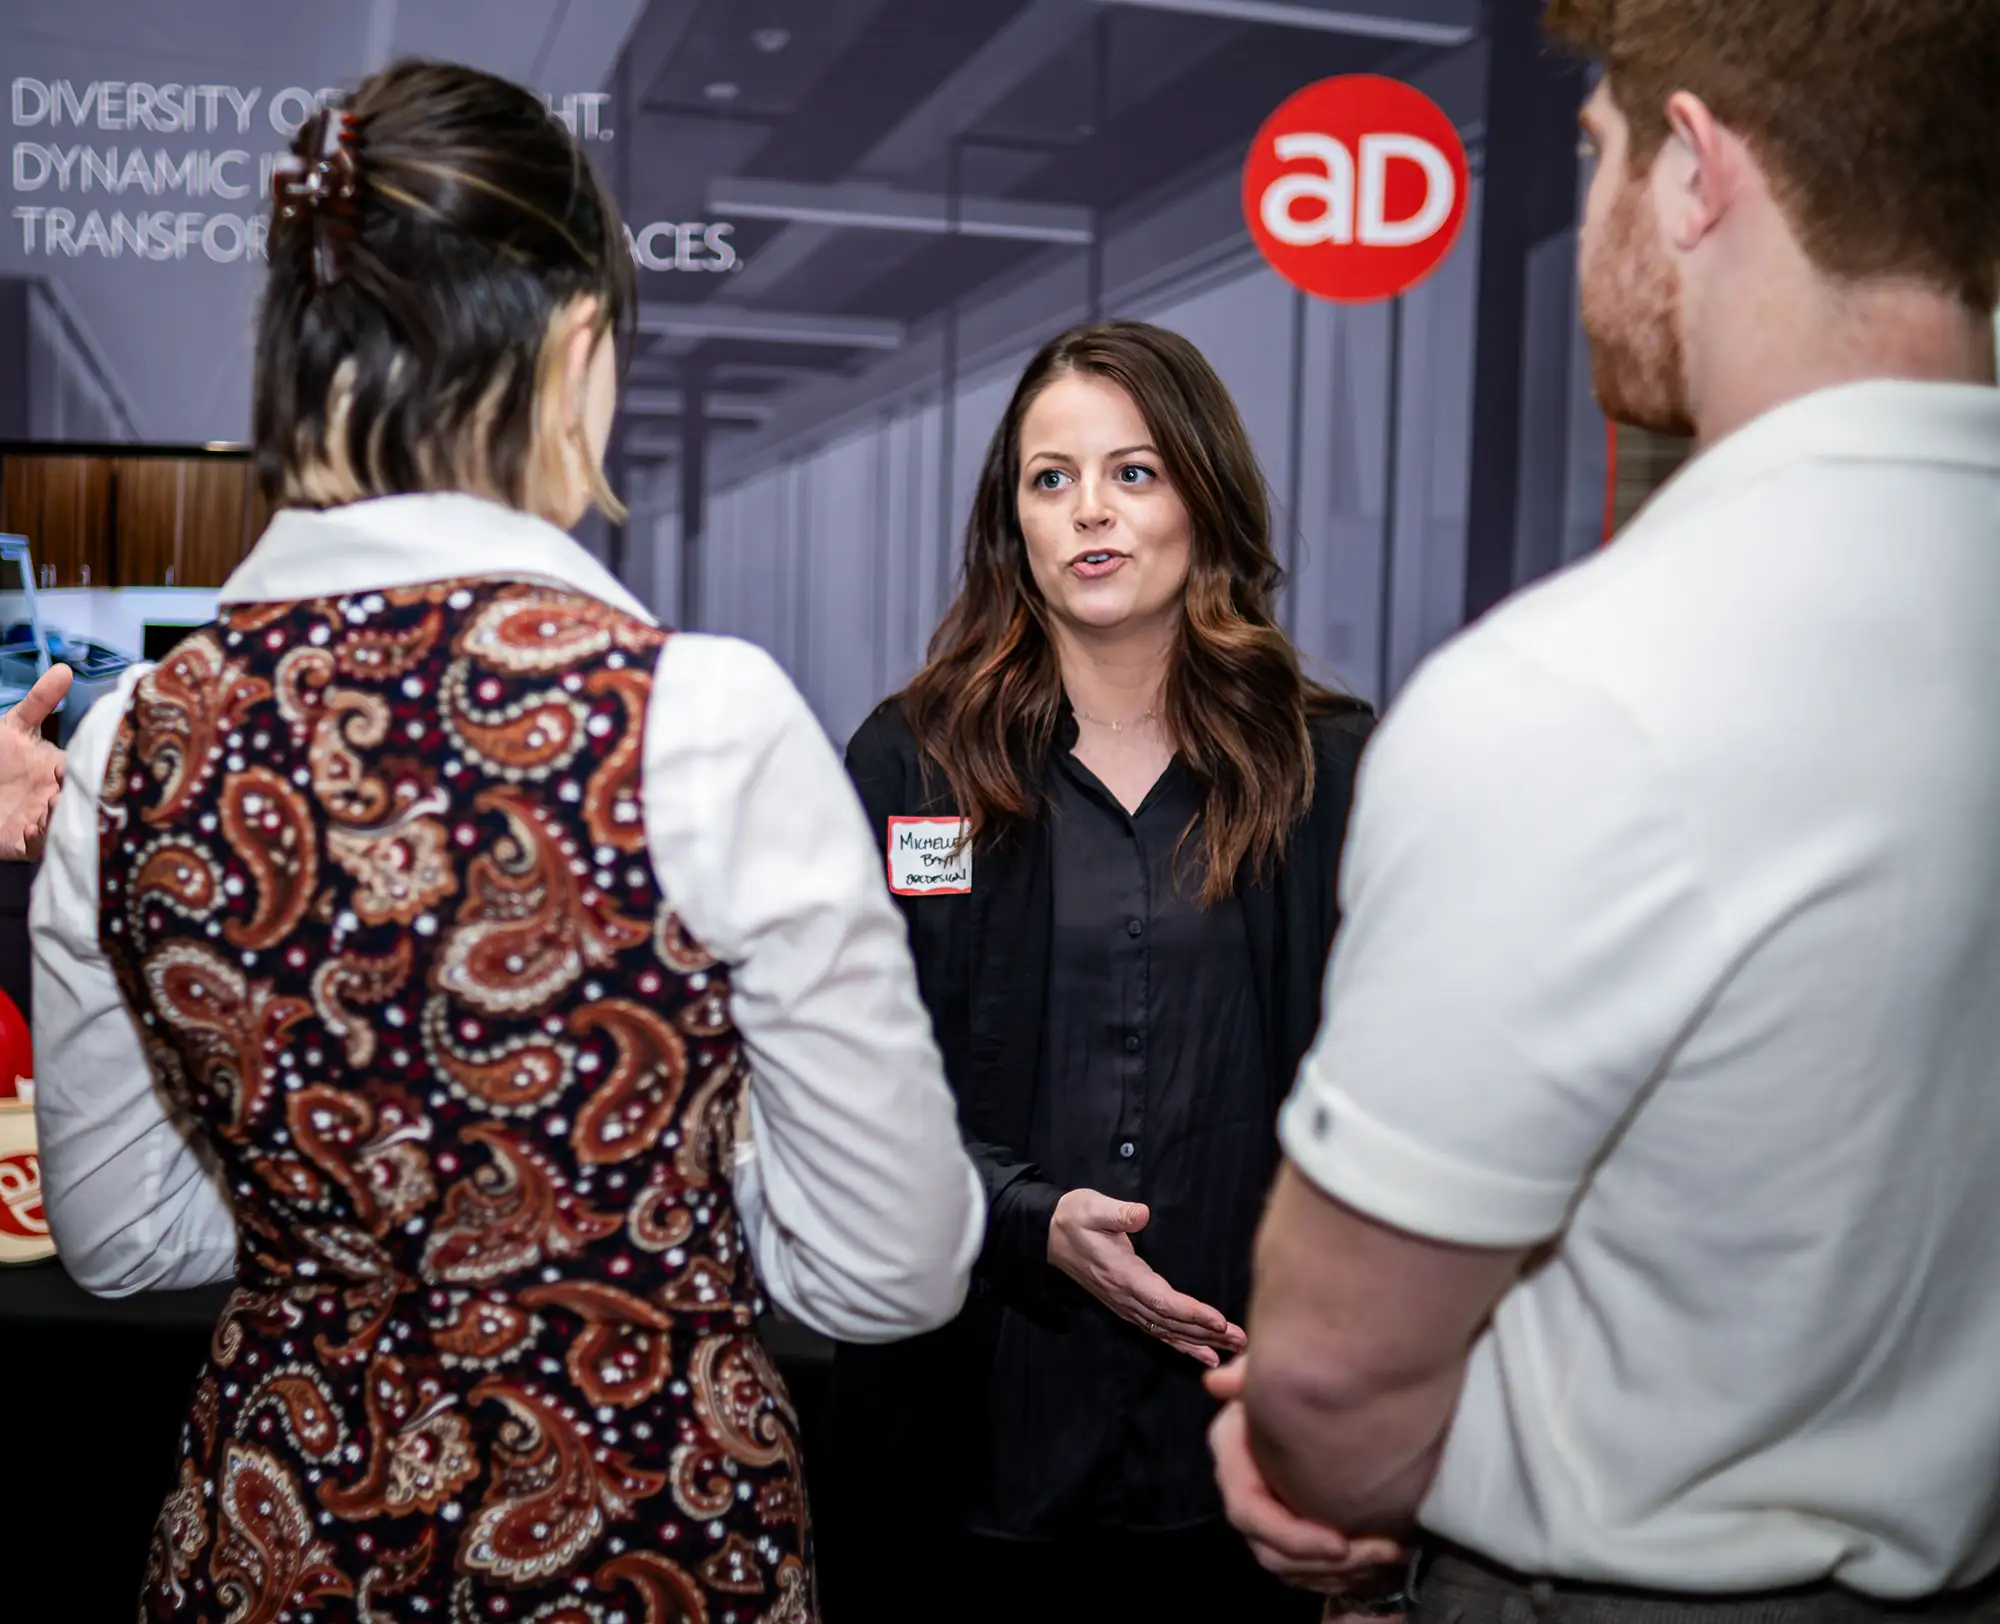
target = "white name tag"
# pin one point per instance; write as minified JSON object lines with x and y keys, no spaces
{"x":929,"y":857}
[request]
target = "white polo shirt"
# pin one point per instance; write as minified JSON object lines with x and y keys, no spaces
{"x":1672,"y":933}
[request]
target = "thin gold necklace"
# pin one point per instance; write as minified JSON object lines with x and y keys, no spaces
{"x":1116,"y":727}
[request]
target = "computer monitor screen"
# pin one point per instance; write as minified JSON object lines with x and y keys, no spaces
{"x":161,"y":636}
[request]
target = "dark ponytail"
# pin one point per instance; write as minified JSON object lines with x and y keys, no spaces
{"x":423,"y":239}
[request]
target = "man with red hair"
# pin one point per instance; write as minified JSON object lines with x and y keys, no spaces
{"x":1639,"y":1239}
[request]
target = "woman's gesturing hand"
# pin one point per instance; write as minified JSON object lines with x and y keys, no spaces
{"x":1090,"y":1241}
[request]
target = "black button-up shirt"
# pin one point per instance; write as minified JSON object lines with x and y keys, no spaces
{"x":1152,"y":1087}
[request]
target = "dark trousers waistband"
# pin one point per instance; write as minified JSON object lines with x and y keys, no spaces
{"x":1458,"y":1586}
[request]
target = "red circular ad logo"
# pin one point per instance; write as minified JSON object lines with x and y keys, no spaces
{"x":1355,"y":188}
{"x":21,"y":1214}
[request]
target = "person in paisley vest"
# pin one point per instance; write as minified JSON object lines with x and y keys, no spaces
{"x":499,"y":988}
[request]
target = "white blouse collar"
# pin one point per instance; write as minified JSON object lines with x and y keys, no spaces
{"x":394,"y":541}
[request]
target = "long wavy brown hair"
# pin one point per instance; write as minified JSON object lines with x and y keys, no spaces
{"x":987,"y":703}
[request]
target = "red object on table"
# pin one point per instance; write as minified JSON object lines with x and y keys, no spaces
{"x":17,"y":1053}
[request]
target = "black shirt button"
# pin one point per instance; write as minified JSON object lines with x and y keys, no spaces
{"x":1132,"y":1043}
{"x":1128,"y":1150}
{"x":1134,"y":928}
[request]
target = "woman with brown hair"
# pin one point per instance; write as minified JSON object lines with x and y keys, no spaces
{"x":416,"y":943}
{"x":1112,"y":810}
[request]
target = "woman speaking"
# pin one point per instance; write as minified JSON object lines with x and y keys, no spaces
{"x":1112,"y":810}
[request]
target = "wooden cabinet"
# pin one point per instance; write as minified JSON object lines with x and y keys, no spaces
{"x":149,"y":520}
{"x":63,"y":505}
{"x":215,"y":509}
{"x":180,"y":522}
{"x":131,"y":520}
{"x":257,"y":509}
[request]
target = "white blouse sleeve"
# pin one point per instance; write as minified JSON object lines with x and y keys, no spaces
{"x":863,"y":1211}
{"x":132,"y":1195}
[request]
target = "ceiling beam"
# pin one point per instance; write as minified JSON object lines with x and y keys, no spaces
{"x":787,"y":371}
{"x":663,"y":26}
{"x":1326,"y":19}
{"x":1043,"y":31}
{"x":703,"y":321}
{"x":868,"y":206}
{"x":659,"y":360}
{"x":716,"y":408}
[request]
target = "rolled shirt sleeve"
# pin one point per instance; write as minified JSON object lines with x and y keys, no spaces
{"x":133,"y":1197}
{"x":1524,"y":938}
{"x":863,"y":1212}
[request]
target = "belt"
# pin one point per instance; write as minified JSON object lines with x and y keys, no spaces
{"x":1442,"y":1565}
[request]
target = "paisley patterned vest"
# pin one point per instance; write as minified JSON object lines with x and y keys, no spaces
{"x":376,"y":886}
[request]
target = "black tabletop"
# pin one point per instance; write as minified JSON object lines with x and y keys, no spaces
{"x":42,"y":1292}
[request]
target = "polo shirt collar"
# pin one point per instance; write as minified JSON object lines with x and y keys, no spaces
{"x":1943,"y":425}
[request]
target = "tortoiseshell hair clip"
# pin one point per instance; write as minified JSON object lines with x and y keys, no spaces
{"x":322,"y":189}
